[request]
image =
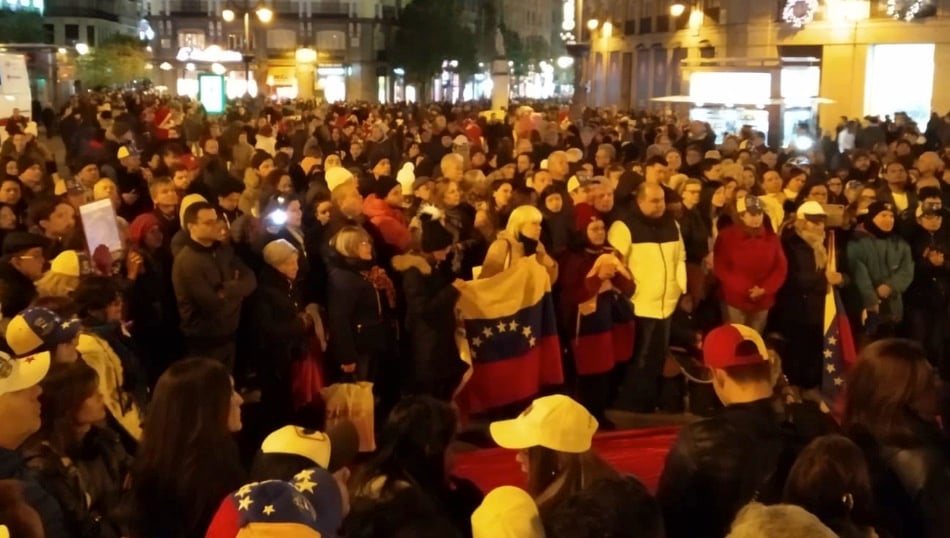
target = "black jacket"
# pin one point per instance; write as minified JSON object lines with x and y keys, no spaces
{"x":210,"y":285}
{"x":281,"y":336}
{"x":695,"y":235}
{"x":87,"y":485}
{"x":12,"y":467}
{"x":16,"y":290}
{"x":910,"y":482}
{"x":719,"y":464}
{"x":931,"y":286}
{"x":430,"y":325}
{"x":801,"y":299}
{"x":359,"y":316}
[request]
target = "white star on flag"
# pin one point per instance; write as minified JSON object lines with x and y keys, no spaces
{"x":828,"y":354}
{"x":245,"y":503}
{"x":476,"y":341}
{"x":65,"y":325}
{"x":532,"y":341}
{"x":526,"y":332}
{"x":269,"y":509}
{"x":487,"y":332}
{"x":513,"y":326}
{"x":245,"y":490}
{"x":839,"y":381}
{"x":831,"y":368}
{"x":502,"y":326}
{"x":832,"y":340}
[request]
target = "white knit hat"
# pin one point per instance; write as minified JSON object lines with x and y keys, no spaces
{"x":337,"y":176}
{"x":406,"y":177}
{"x":278,"y":251}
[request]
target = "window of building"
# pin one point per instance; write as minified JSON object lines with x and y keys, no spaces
{"x":191,"y":39}
{"x":331,"y":40}
{"x":646,"y":25}
{"x":49,"y":34}
{"x":91,"y":36}
{"x":72,"y":33}
{"x":629,"y":27}
{"x":663,"y":23}
{"x":713,"y":9}
{"x":234,"y":42}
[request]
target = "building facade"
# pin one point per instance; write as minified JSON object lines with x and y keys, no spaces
{"x":349,"y":38}
{"x":69,"y":22}
{"x":857,"y":57}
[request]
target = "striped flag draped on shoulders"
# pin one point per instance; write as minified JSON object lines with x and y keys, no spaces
{"x":508,"y":335}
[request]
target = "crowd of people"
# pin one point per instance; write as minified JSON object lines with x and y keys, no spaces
{"x":173,"y":302}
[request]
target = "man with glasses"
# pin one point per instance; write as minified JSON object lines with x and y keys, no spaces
{"x":695,"y":237}
{"x":21,"y":265}
{"x":211,"y":283}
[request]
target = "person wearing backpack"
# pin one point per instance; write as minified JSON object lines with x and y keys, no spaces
{"x":744,"y":453}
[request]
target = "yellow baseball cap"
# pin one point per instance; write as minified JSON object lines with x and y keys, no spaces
{"x":556,"y":422}
{"x":507,"y":512}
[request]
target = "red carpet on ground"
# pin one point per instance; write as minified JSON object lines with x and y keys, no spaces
{"x":638,"y":452}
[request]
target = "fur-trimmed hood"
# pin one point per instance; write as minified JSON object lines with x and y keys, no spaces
{"x":404,"y":262}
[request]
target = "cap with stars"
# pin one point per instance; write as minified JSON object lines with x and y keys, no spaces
{"x":309,"y":506}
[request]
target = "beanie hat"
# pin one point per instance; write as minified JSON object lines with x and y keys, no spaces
{"x":878,"y":207}
{"x":406,"y":177}
{"x":140,"y":226}
{"x":187,"y":201}
{"x":67,"y":263}
{"x":383,"y":185}
{"x":277,"y":252}
{"x":434,"y":235}
{"x":583,"y":215}
{"x":337,"y":176}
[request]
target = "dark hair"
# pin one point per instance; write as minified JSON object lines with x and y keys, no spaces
{"x":619,"y":507}
{"x":42,"y":207}
{"x":64,"y":307}
{"x":409,"y":514}
{"x":554,"y":476}
{"x":172,"y":148}
{"x":830,"y":479}
{"x":709,"y":164}
{"x":191,"y":212}
{"x":229,"y":186}
{"x":65,"y":388}
{"x":891,"y":388}
{"x":95,"y":292}
{"x":187,"y":461}
{"x":412,"y":446}
{"x":259,"y":158}
{"x":750,"y":373}
{"x":657,"y":160}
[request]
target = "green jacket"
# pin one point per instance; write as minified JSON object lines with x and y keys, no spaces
{"x":874,"y":261}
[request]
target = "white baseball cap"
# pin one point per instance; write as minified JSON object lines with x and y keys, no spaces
{"x":507,"y":512}
{"x":23,"y":373}
{"x":810,"y":210}
{"x":556,"y":422}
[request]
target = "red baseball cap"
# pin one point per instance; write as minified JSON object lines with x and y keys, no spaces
{"x":733,"y":345}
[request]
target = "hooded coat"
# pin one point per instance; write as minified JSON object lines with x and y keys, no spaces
{"x":389,"y":221}
{"x":744,"y":258}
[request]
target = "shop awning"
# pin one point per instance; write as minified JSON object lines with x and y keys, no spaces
{"x":696,"y":101}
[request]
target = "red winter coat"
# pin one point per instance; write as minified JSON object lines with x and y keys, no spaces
{"x":743,"y":259}
{"x":390,"y":222}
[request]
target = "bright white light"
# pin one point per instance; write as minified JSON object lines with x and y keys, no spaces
{"x":803,"y":142}
{"x":592,"y":24}
{"x":677,"y":9}
{"x":148,"y":48}
{"x":265,"y":15}
{"x":149,"y":67}
{"x":565,"y":61}
{"x":306,"y":56}
{"x":62,"y":50}
{"x":227,"y":14}
{"x":189,"y":66}
{"x":218,"y":69}
{"x":608,"y":29}
{"x":454,"y":64}
{"x":165,"y":66}
{"x":82,"y":49}
{"x":399,"y":71}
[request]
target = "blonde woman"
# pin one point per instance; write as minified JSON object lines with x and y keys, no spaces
{"x":521,"y":238}
{"x":63,"y":276}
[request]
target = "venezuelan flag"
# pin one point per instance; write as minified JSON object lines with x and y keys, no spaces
{"x":839,"y":352}
{"x":508,"y":334}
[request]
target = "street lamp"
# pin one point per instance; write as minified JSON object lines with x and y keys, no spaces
{"x":82,"y":49}
{"x":592,"y":24}
{"x":264,"y":15}
{"x":677,"y":9}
